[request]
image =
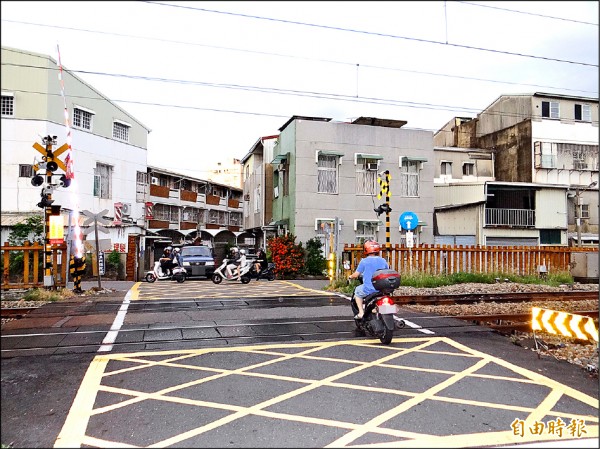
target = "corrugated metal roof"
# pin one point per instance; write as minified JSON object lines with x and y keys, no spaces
{"x":11,"y":219}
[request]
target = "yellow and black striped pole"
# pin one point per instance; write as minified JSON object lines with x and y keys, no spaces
{"x":48,"y":281}
{"x":387,"y":213}
{"x":76,"y":269}
{"x":385,"y":188}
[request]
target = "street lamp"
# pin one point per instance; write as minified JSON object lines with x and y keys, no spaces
{"x":578,"y":209}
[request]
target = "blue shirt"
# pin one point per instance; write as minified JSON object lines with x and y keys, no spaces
{"x":367,"y":266}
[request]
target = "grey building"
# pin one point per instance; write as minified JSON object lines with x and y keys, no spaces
{"x":328,"y":173}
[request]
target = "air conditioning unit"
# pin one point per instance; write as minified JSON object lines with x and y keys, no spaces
{"x":372,"y":166}
{"x":154,"y":180}
{"x":126,"y":209}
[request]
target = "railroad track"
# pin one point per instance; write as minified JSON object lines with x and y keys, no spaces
{"x":431,"y":300}
{"x":462,"y":298}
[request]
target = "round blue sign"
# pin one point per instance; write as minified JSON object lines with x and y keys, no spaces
{"x":408,"y":221}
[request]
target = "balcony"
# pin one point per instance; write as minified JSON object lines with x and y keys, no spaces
{"x":513,"y":218}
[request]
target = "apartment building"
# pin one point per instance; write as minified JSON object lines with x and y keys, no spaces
{"x":327,"y":176}
{"x":544,"y":190}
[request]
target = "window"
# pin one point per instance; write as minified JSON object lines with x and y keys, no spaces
{"x":121,"y":131}
{"x":365,"y":230}
{"x":546,"y":154}
{"x":141,"y":186}
{"x":103,"y":181}
{"x":25,"y":171}
{"x":583,"y":112}
{"x":585,"y":211}
{"x":550,"y":237}
{"x":409,"y":176}
{"x":550,"y":109}
{"x":366,"y":175}
{"x":8,"y":105}
{"x":468,"y":169}
{"x":82,"y":118}
{"x":579,"y":161}
{"x":327,"y":175}
{"x":446,"y":168}
{"x":257,"y":199}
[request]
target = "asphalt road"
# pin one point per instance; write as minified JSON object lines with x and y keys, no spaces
{"x":454,"y":389}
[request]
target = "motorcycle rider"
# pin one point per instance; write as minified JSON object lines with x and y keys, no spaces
{"x":166,"y":261}
{"x":366,"y":267}
{"x":234,"y":261}
{"x":260,"y":263}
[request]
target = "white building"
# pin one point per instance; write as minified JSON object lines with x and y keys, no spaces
{"x":108,"y":147}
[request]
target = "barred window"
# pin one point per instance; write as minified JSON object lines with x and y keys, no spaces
{"x":25,"y":171}
{"x":8,"y":105}
{"x":365,"y":230}
{"x":121,"y":131}
{"x":327,"y":176}
{"x":103,"y":181}
{"x":409,"y":178}
{"x":366,"y":176}
{"x":82,"y":119}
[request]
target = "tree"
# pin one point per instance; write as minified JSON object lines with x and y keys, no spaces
{"x":316,"y":263}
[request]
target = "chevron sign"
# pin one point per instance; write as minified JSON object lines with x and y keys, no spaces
{"x":562,"y":323}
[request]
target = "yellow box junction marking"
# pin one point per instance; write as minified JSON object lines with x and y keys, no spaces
{"x":563,"y":323}
{"x":75,"y":432}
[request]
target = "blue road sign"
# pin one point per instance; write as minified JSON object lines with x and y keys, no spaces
{"x":408,"y":220}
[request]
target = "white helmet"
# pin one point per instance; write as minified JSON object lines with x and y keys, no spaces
{"x":177,"y":250}
{"x":242,"y":252}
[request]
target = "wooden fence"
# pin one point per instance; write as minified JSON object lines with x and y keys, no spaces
{"x":448,"y":259}
{"x":32,"y":273}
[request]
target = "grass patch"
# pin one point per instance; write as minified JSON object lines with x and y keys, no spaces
{"x":420,"y":280}
{"x":38,"y":294}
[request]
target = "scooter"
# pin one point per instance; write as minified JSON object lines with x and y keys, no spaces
{"x":379,"y":308}
{"x":266,"y":273}
{"x":179,"y":274}
{"x":220,"y":273}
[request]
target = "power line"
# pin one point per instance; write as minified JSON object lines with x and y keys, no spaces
{"x":445,"y":75}
{"x":527,"y":13}
{"x":372,"y":33}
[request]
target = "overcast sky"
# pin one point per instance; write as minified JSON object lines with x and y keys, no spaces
{"x":210,"y":78}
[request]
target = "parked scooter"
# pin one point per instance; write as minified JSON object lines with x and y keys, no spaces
{"x":179,"y":274}
{"x":265,"y":273}
{"x":220,"y":273}
{"x":379,"y":308}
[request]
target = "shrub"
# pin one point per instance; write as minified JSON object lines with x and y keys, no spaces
{"x":287,"y":256}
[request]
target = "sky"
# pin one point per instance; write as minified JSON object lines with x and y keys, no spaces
{"x":209,"y":78}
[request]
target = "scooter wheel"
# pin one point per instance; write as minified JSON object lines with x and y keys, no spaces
{"x":386,"y":337}
{"x":180,"y":278}
{"x":245,"y":279}
{"x":150,"y":278}
{"x":217,"y":278}
{"x":271,"y":277}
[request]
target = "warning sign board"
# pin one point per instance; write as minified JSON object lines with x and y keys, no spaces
{"x":563,"y":323}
